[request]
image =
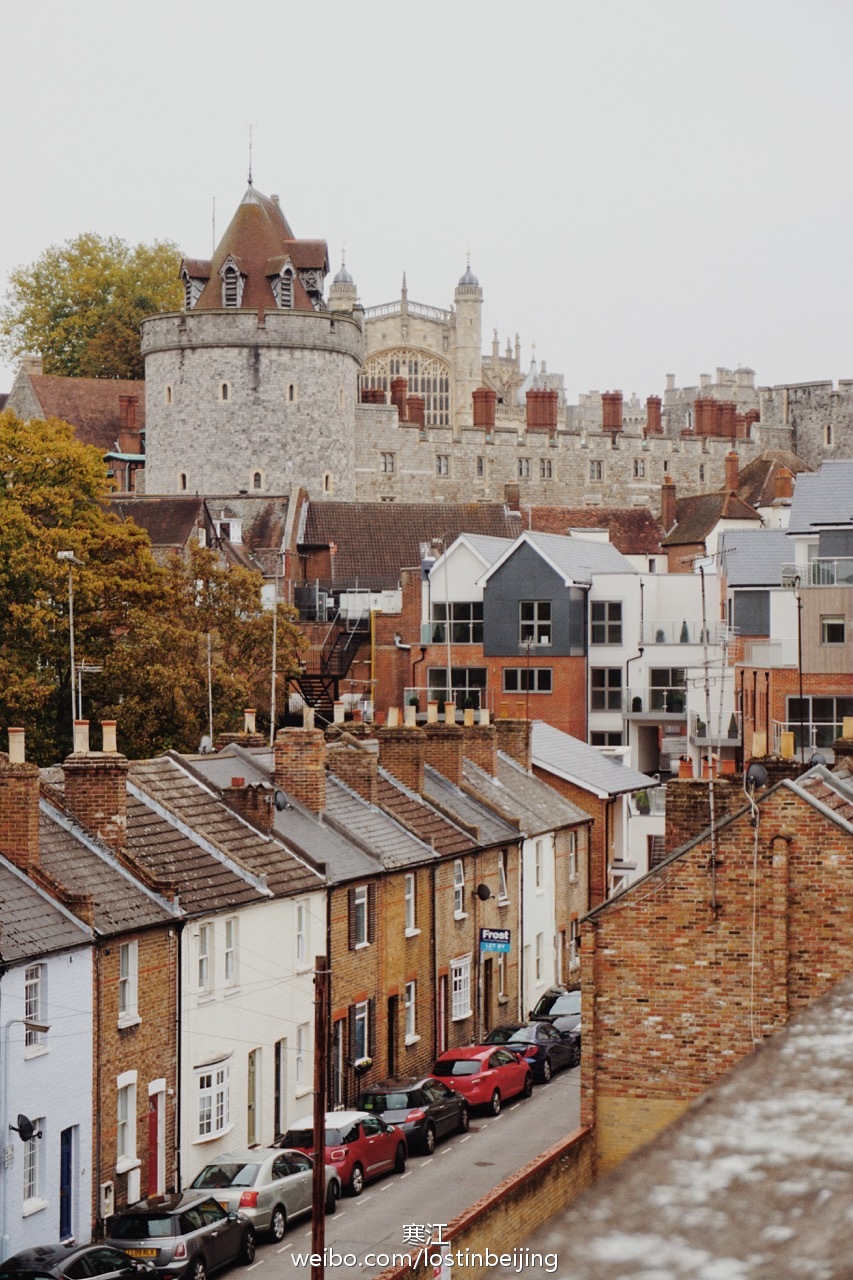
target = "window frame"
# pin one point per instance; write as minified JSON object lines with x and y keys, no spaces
{"x":230,"y":952}
{"x":361,"y":910}
{"x":35,"y":1006}
{"x":126,"y":1122}
{"x":128,"y":983}
{"x":528,"y":679}
{"x":204,"y":963}
{"x":460,"y":988}
{"x":442,"y":466}
{"x":213,"y":1082}
{"x":410,"y":905}
{"x":459,"y":912}
{"x":607,"y":628}
{"x":539,"y":624}
{"x":410,"y":1006}
{"x":829,"y":621}
{"x":604,"y":693}
{"x":503,"y":877}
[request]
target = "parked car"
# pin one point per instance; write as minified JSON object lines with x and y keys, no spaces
{"x":423,"y":1107}
{"x":486,"y":1076}
{"x":73,"y":1262}
{"x":543,"y":1047}
{"x":269,"y":1187}
{"x":562,"y":1008}
{"x":186,"y":1235}
{"x":359,"y":1146}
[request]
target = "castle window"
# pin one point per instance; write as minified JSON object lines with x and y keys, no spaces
{"x":224,"y":391}
{"x":701,"y":473}
{"x":387,"y":462}
{"x":182,"y":482}
{"x":285,"y":290}
{"x":827,"y":435}
{"x":545,"y":469}
{"x":481,"y":470}
{"x":442,"y":464}
{"x":524,"y":468}
{"x":232,"y":285}
{"x":167,"y":394}
{"x":328,"y":482}
{"x":639,"y":468}
{"x":291,"y":393}
{"x":595,"y":469}
{"x":340,"y":397}
{"x":257,"y":481}
{"x":426,"y":375}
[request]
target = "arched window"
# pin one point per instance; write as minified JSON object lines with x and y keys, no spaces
{"x":257,"y":481}
{"x":328,"y":482}
{"x":167,"y":395}
{"x":291,"y":393}
{"x":427,"y":376}
{"x":285,"y":290}
{"x":182,"y":482}
{"x":225,"y":391}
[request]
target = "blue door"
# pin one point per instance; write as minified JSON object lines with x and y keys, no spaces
{"x":66,"y":1146}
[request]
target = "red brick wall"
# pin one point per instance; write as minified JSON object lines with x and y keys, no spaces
{"x":96,"y":794}
{"x":19,"y":812}
{"x":300,"y":766}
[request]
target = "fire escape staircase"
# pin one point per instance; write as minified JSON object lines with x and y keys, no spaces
{"x":326,"y":667}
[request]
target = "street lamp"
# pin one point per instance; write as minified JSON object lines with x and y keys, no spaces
{"x":70,"y":559}
{"x":42,"y":1028}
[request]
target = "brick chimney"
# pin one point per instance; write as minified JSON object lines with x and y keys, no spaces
{"x":514,"y":739}
{"x":732,"y":465}
{"x":357,"y":768}
{"x":127,"y":413}
{"x":688,"y":807}
{"x":19,"y":805}
{"x":96,"y":788}
{"x":443,"y":750}
{"x":416,"y":411}
{"x":654,"y":425}
{"x":728,"y":419}
{"x":611,"y":411}
{"x":399,"y":390}
{"x":512,"y":495}
{"x":783,"y":489}
{"x":300,"y":766}
{"x":667,"y":503}
{"x":542,"y":411}
{"x":255,"y":802}
{"x":481,"y":747}
{"x":401,"y":753}
{"x":484,"y":399}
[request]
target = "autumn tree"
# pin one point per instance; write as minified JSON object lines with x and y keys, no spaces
{"x":80,"y":305}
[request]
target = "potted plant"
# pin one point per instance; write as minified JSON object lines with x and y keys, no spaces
{"x":733,"y":727}
{"x":643,"y":803}
{"x":685,"y":633}
{"x":660,"y":636}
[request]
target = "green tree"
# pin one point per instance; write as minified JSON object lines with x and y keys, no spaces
{"x":80,"y":305}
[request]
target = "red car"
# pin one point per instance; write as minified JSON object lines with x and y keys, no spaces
{"x":359,"y":1146}
{"x":486,"y":1076}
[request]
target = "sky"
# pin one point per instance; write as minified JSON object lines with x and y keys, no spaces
{"x":644,"y":186}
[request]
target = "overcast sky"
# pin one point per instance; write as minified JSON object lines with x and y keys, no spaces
{"x":645,"y":186}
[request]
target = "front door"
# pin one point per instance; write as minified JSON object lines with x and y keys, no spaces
{"x":66,"y":1161}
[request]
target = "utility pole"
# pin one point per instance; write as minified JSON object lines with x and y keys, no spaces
{"x":318,"y":1218}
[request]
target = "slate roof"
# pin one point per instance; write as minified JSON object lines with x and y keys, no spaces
{"x":697,"y":515}
{"x":823,"y":498}
{"x":577,"y":559}
{"x":562,"y":754}
{"x":375,"y":540}
{"x":518,"y":794}
{"x":30,"y":924}
{"x":169,"y":522}
{"x":91,"y":405}
{"x":757,"y":481}
{"x":754,"y":558}
{"x":491,"y":827}
{"x":422,"y":819}
{"x":635,"y":531}
{"x":396,"y":846}
{"x":753,"y":1181}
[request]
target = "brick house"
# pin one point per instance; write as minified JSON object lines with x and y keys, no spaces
{"x":715,"y":949}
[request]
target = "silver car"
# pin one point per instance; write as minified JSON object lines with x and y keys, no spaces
{"x":269,"y":1188}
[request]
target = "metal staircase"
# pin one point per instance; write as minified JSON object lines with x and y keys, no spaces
{"x":327,"y":665}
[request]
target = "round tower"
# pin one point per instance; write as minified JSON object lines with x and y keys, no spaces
{"x":467,"y":341}
{"x":254,"y":385}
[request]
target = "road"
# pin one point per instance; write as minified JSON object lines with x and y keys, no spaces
{"x":433,"y":1189}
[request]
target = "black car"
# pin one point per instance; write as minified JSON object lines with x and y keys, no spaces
{"x":561,"y":1006}
{"x":423,"y":1107}
{"x":73,"y":1262}
{"x":184,"y":1235}
{"x":543,"y":1048}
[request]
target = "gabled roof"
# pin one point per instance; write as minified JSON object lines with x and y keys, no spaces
{"x":32,"y":923}
{"x":395,"y":845}
{"x":260,"y":241}
{"x":169,"y":522}
{"x":491,"y":827}
{"x":832,"y":790}
{"x":576,"y":560}
{"x":754,"y":557}
{"x":518,"y":794}
{"x":91,"y":405}
{"x":569,"y":758}
{"x":698,"y":515}
{"x":635,"y":531}
{"x":375,"y":540}
{"x":824,"y":498}
{"x":757,"y":481}
{"x":419,"y":816}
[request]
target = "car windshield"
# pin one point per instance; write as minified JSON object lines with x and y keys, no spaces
{"x":141,"y":1226}
{"x":384,"y":1101}
{"x":457,"y":1067}
{"x":556,"y":1004}
{"x":502,"y":1035}
{"x":230,"y":1173}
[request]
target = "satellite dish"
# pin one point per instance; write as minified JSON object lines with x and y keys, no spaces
{"x":483,"y":892}
{"x":756,"y":775}
{"x":205,"y":746}
{"x":282,"y":802}
{"x":817,"y":758}
{"x":25,"y":1128}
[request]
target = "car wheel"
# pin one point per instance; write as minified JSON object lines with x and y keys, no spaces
{"x":400,"y":1157}
{"x":247,"y":1249}
{"x":464,"y":1120}
{"x":495,"y":1103}
{"x":546,"y":1071}
{"x":278,"y":1222}
{"x":356,"y":1180}
{"x":429,"y":1140}
{"x":528,"y":1085}
{"x":198,"y":1270}
{"x":332,"y":1192}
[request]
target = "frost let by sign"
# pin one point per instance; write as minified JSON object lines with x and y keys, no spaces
{"x":494,"y":939}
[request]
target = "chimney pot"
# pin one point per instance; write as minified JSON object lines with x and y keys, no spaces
{"x":339,"y":715}
{"x":249,"y":720}
{"x":108,"y":731}
{"x":81,"y":736}
{"x":432,"y":713}
{"x":410,"y":716}
{"x":307,"y":717}
{"x":238,"y":782}
{"x":17,"y":746}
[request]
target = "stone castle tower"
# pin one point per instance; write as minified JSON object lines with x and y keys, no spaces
{"x":254,"y":385}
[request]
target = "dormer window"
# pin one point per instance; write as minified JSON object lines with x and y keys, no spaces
{"x":232,"y":284}
{"x":193,"y":287}
{"x":284,"y":289}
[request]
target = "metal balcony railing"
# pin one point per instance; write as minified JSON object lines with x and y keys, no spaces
{"x":664,"y":700}
{"x":669,"y":631}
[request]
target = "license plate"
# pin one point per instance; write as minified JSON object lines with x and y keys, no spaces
{"x":141,"y":1253}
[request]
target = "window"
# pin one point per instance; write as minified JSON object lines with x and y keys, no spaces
{"x":527,"y":680}
{"x":182,"y":482}
{"x":503,"y":889}
{"x":466,"y":622}
{"x":167,"y":394}
{"x":606,"y":622}
{"x":573,"y":855}
{"x":442,"y":464}
{"x":501,"y":976}
{"x":667,"y":689}
{"x":126,"y":1122}
{"x":666,"y":467}
{"x":460,"y":988}
{"x":545,"y":470}
{"x":361,"y":1030}
{"x":535,"y":621}
{"x":701,"y":472}
{"x":291,"y":393}
{"x":426,"y":376}
{"x":232,"y":285}
{"x":827,"y":435}
{"x":301,"y":941}
{"x":410,"y":1005}
{"x":128,"y":983}
{"x":832,"y":630}
{"x":538,"y":954}
{"x":605,"y":693}
{"x":231,"y":952}
{"x":285,"y":289}
{"x":35,"y":1004}
{"x":32,"y":1163}
{"x":467,"y":685}
{"x":595,"y":469}
{"x":410,"y":904}
{"x":605,"y":738}
{"x":205,"y":942}
{"x":822,"y":720}
{"x":214,"y":1099}
{"x":538,"y":864}
{"x":359,"y":925}
{"x":328,"y":482}
{"x":302,"y":1032}
{"x":524,"y":468}
{"x":458,"y":889}
{"x":480,"y":468}
{"x":386,"y":462}
{"x":639,"y":468}
{"x":257,"y":481}
{"x":224,"y":391}
{"x":574,"y":945}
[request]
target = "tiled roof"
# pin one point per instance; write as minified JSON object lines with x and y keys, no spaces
{"x":635,"y":531}
{"x":587,"y":766}
{"x":831,"y":789}
{"x":757,"y":480}
{"x":490,"y":827}
{"x":823,"y":497}
{"x":518,"y":794}
{"x":260,"y":240}
{"x":577,"y":559}
{"x":697,"y":515}
{"x":169,"y":522}
{"x":30,"y":924}
{"x":420,"y":817}
{"x":754,"y":557}
{"x":89,"y":404}
{"x":375,"y":540}
{"x":396,"y":846}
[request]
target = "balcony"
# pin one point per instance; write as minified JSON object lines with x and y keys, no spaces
{"x":768,"y":654}
{"x":829,"y":572}
{"x":813,"y":735}
{"x":701,"y":737}
{"x":658,"y":631}
{"x":657,"y":704}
